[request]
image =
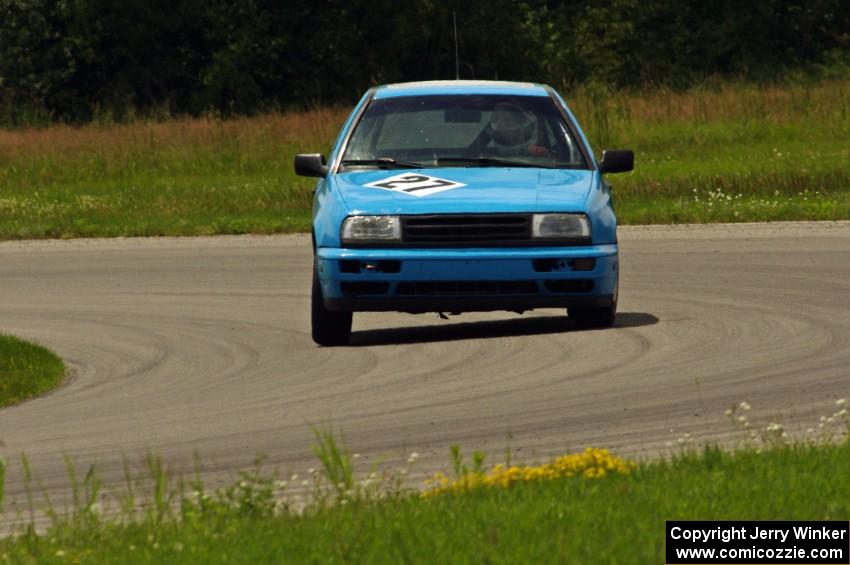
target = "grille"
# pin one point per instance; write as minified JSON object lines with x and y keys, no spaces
{"x":465,"y":229}
{"x":570,"y":285}
{"x":465,"y":288}
{"x":364,"y":287}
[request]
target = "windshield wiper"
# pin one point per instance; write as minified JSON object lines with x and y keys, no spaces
{"x":490,"y":162}
{"x":383,"y":162}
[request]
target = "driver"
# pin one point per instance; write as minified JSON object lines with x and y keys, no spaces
{"x":513,"y":130}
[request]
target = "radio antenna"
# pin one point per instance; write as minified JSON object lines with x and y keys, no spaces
{"x":457,"y":60}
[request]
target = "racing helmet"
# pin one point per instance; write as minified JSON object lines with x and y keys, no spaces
{"x":510,"y":124}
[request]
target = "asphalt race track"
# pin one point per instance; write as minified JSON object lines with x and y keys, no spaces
{"x":202,"y":346}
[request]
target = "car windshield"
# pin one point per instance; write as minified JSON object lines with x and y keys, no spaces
{"x":462,"y":131}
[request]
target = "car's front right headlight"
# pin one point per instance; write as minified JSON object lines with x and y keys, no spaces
{"x":370,"y":229}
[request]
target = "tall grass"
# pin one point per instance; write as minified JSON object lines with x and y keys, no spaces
{"x":788,"y":103}
{"x":589,"y":507}
{"x":781,"y":148}
{"x":181,"y":177}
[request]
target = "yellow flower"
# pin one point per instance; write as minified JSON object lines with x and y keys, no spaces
{"x":592,"y":464}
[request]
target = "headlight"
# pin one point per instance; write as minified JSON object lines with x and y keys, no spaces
{"x":558,"y":226}
{"x":371,"y":229}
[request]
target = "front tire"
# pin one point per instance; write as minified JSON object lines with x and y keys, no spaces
{"x":329,"y":327}
{"x":594,"y":317}
{"x":602,"y":317}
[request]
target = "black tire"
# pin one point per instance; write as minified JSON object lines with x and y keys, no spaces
{"x":329,"y":327}
{"x":597,"y":317}
{"x":594,"y":317}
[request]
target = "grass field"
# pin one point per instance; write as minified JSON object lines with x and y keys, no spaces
{"x":615,"y":518}
{"x":723,"y":153}
{"x":26,"y":370}
{"x":732,"y":154}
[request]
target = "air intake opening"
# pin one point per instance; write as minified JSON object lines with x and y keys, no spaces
{"x":359,"y":288}
{"x":349,"y":266}
{"x":583,"y":264}
{"x":355,"y":266}
{"x":548,"y":265}
{"x":465,"y":288}
{"x":575,"y":285}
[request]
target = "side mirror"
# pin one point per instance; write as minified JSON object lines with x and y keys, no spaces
{"x":617,"y":161}
{"x":310,"y":165}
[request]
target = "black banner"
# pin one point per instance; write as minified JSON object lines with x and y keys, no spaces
{"x":762,"y":543}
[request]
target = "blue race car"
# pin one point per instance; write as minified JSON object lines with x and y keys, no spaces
{"x":461,"y":196}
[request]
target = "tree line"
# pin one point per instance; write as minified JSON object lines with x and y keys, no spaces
{"x":70,"y":60}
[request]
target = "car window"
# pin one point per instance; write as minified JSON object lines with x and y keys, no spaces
{"x":428,"y":129}
{"x":411,"y":130}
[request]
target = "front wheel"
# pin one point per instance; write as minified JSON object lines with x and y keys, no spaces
{"x":594,"y":317}
{"x":329,"y":328}
{"x":602,"y":317}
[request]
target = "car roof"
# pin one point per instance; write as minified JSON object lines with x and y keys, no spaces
{"x":436,"y":87}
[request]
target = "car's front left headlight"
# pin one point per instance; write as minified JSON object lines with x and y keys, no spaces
{"x":370,"y":229}
{"x":560,"y":226}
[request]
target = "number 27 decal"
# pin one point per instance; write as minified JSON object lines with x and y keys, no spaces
{"x":415,"y":184}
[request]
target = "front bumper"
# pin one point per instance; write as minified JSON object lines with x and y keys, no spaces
{"x":467,"y":280}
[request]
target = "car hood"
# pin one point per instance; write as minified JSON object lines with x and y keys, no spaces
{"x":467,"y":189}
